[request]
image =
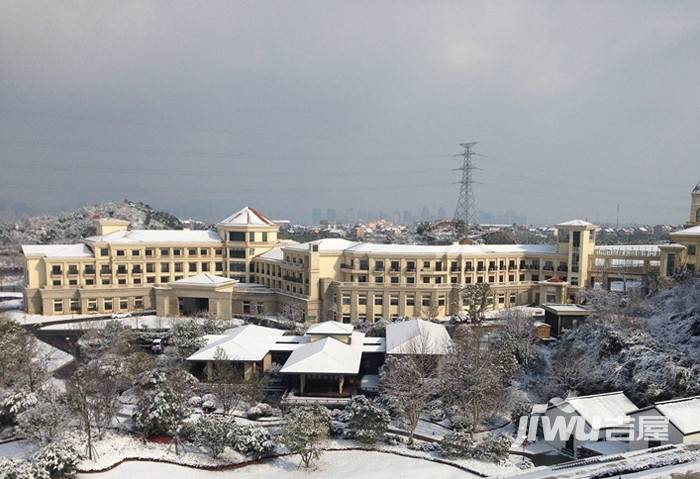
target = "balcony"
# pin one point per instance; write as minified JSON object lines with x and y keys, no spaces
{"x":105,"y":270}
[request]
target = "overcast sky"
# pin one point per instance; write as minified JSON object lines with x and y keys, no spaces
{"x":203,"y":107}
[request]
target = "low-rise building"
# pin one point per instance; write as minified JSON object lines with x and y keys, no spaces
{"x":682,"y":417}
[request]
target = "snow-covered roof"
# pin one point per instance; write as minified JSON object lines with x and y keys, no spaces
{"x":417,"y":337}
{"x":693,"y":231}
{"x":58,"y":250}
{"x":601,"y":411}
{"x":682,"y":413}
{"x":158,"y":236}
{"x":325,"y":356}
{"x":204,"y":279}
{"x":245,"y":343}
{"x":576,"y":223}
{"x":247,"y":216}
{"x":567,"y":309}
{"x":275,"y":254}
{"x":338,"y":245}
{"x":328,"y":328}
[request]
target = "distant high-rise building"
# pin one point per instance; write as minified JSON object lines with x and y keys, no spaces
{"x":425,"y":214}
{"x":316,"y":216}
{"x":331,"y":215}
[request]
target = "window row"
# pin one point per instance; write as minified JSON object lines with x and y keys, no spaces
{"x":148,"y":252}
{"x":108,"y":304}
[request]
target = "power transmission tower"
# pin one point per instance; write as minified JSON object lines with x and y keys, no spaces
{"x":464,"y":213}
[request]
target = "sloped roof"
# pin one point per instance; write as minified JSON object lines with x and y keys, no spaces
{"x":58,"y":250}
{"x":693,"y":231}
{"x":158,"y":236}
{"x":325,"y":356}
{"x":697,"y":188}
{"x":205,"y":279}
{"x":682,"y":413}
{"x":576,"y":223}
{"x":331,"y":328}
{"x":247,"y":216}
{"x":245,"y":343}
{"x":602,"y":410}
{"x":417,"y":337}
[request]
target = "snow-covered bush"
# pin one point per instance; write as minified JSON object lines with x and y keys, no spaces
{"x":195,"y":401}
{"x":425,"y":446}
{"x":492,"y":448}
{"x":457,"y":444}
{"x":520,"y":409}
{"x":11,"y":468}
{"x":43,"y":422}
{"x":260,"y":410}
{"x":163,"y":405}
{"x":15,"y":402}
{"x":251,"y":440}
{"x":305,"y":430}
{"x":368,"y":420}
{"x":58,"y":460}
{"x":214,"y":433}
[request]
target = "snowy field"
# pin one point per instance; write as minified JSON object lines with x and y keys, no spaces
{"x":337,"y":464}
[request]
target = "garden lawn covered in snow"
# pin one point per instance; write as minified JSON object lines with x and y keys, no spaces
{"x":333,"y":464}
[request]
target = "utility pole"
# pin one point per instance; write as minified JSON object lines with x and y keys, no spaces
{"x":464,"y":213}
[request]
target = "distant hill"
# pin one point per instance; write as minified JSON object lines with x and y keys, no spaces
{"x":72,"y":226}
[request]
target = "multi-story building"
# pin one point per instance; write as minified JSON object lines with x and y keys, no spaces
{"x":242,"y":267}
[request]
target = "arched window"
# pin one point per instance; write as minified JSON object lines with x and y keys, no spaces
{"x":697,"y":216}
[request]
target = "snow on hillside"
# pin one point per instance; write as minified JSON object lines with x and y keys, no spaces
{"x":72,"y":226}
{"x":651,"y":352}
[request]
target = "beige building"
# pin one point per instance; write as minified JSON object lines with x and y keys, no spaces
{"x":242,"y":268}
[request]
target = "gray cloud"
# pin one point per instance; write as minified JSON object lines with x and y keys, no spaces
{"x":203,"y":107}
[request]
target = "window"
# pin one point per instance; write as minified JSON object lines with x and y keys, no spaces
{"x":121,"y":269}
{"x":104,"y":252}
{"x":426,"y":301}
{"x":492,"y":279}
{"x":56,"y":282}
{"x":364,"y":264}
{"x":468,"y":280}
{"x":362,"y":299}
{"x":521,"y":277}
{"x":106,"y":281}
{"x":121,"y":281}
{"x":379,"y":279}
{"x":176,"y":252}
{"x":410,"y":300}
{"x":121,"y":252}
{"x":107,"y":304}
{"x":346,"y":299}
{"x":192,"y":251}
{"x":164,"y":252}
{"x":264,"y":237}
{"x":149,"y":252}
{"x":164,"y":279}
{"x":426,"y":279}
{"x":219,"y":267}
{"x":409,"y":280}
{"x":164,"y":267}
{"x":150,"y":267}
{"x":57,"y":305}
{"x":379,"y":265}
{"x":56,"y":269}
{"x":151,"y":280}
{"x":346,"y":318}
{"x":501,"y":298}
{"x":395,"y":266}
{"x":73,"y":269}
{"x":123,"y":303}
{"x":135,"y":252}
{"x":513,"y":298}
{"x":438,"y":280}
{"x":691,"y":249}
{"x":137,"y":280}
{"x":454,"y":279}
{"x":89,"y":269}
{"x":426,"y":264}
{"x":441,"y":300}
{"x":138,"y":302}
{"x":178,"y":267}
{"x":236,"y":253}
{"x":91,"y":305}
{"x":511,"y":278}
{"x":203,"y":252}
{"x":218,"y":252}
{"x":205,"y":267}
{"x":394,"y":300}
{"x":236,"y":236}
{"x":378,"y":300}
{"x":89,"y":282}
{"x":237,"y":267}
{"x":410,"y":266}
{"x":251,"y":237}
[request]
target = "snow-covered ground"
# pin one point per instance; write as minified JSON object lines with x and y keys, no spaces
{"x":333,"y":464}
{"x":17,"y":449}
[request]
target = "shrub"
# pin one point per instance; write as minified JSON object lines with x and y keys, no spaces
{"x":368,"y":420}
{"x":214,"y":433}
{"x":306,"y":428}
{"x":251,"y":440}
{"x":21,"y":469}
{"x":492,"y":448}
{"x":260,"y":410}
{"x":457,"y":444}
{"x":58,"y":460}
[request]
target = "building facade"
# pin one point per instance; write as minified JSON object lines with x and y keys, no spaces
{"x":242,"y":268}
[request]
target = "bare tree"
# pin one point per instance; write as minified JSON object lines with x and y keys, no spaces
{"x":474,"y":375}
{"x":22,"y":364}
{"x":431,"y":312}
{"x":409,"y":380}
{"x":477,"y":299}
{"x":225,"y":380}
